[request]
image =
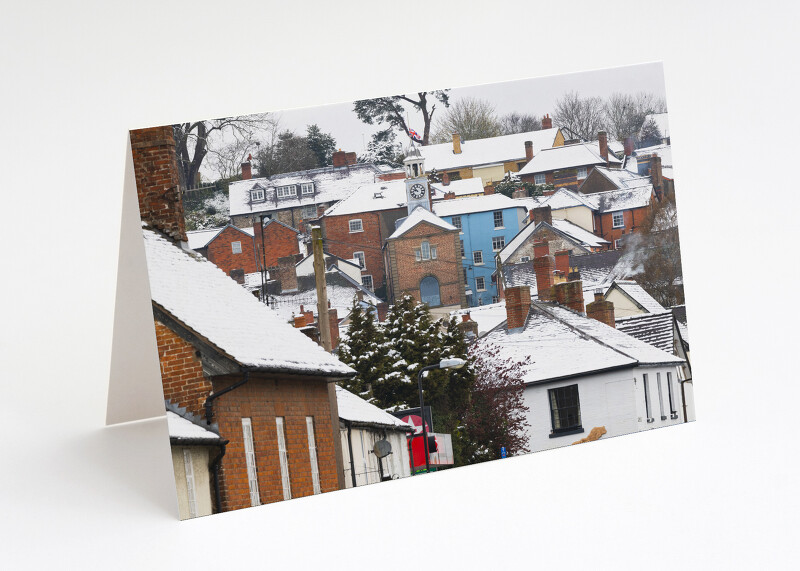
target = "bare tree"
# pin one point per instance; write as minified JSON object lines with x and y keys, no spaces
{"x":391,"y":110}
{"x":194,"y":141}
{"x":469,"y":117}
{"x":519,"y":123}
{"x":626,"y":113}
{"x":580,"y":117}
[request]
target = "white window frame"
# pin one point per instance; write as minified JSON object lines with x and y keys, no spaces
{"x":494,"y":216}
{"x":286,"y":191}
{"x":525,"y":259}
{"x":425,"y":250}
{"x":614,"y":224}
{"x":417,"y":255}
{"x":617,"y":243}
{"x":463,"y":251}
{"x":539,"y":178}
{"x":477,"y":257}
{"x":502,"y":241}
{"x":361,"y":259}
{"x":456,"y":221}
{"x":582,"y":173}
{"x":480,"y":283}
{"x":250,"y":461}
{"x":236,"y":247}
{"x":368,"y":278}
{"x":495,"y":298}
{"x":309,"y":211}
{"x":312,"y":455}
{"x":283,"y":455}
{"x":647,"y":398}
{"x":307,"y":188}
{"x":188,"y":469}
{"x":257,"y":195}
{"x":355,"y":227}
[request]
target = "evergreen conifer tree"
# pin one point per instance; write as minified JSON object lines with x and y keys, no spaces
{"x":364,"y":350}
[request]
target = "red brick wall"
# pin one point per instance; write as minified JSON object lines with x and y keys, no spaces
{"x":633,"y":219}
{"x":181,"y":371}
{"x":279,"y":242}
{"x":157,"y":183}
{"x":341,"y":242}
{"x":221,"y":253}
{"x":262,"y":400}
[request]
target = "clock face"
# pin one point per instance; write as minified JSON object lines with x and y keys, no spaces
{"x":417,"y":191}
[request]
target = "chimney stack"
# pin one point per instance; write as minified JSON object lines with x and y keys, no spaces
{"x":449,"y":195}
{"x":155,"y":168}
{"x":339,"y":158}
{"x":488,"y":189}
{"x":383,"y":311}
{"x":547,"y":122}
{"x":655,"y":174}
{"x":562,"y":262}
{"x":456,"y":144}
{"x":570,"y":294}
{"x":543,"y":266}
{"x":287,"y":273}
{"x":469,"y":327}
{"x":528,"y":150}
{"x":628,"y":144}
{"x":445,"y":179}
{"x":518,"y":303}
{"x":541,"y":214}
{"x":601,"y":310}
{"x":519,"y":193}
{"x":602,"y":138}
{"x":247,"y":171}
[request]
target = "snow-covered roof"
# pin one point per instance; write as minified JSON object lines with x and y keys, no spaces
{"x":420,"y":215}
{"x":371,"y":197}
{"x":566,"y":156}
{"x":486,"y":151}
{"x":330,"y":184}
{"x":200,"y":296}
{"x":486,"y":316}
{"x":663,"y":151}
{"x":639,"y":296}
{"x":622,"y":199}
{"x":596,"y":267}
{"x":183,"y":429}
{"x":355,"y":409}
{"x":463,"y":187}
{"x":572,"y":231}
{"x":202,"y":238}
{"x":563,"y":198}
{"x":655,"y":329}
{"x":473,"y":204}
{"x":622,"y":178}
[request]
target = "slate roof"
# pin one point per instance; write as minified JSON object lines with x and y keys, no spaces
{"x":571,"y":231}
{"x":358,"y":411}
{"x":488,"y":151}
{"x":596,"y":267}
{"x":622,"y":178}
{"x":331,"y":184}
{"x":563,"y":198}
{"x":655,"y":329}
{"x":201,"y":297}
{"x":419,"y":215}
{"x":567,"y":156}
{"x":622,"y":199}
{"x":473,"y":204}
{"x":466,"y":186}
{"x":639,"y":296}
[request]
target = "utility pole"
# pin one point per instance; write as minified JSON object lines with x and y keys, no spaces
{"x":324,"y":324}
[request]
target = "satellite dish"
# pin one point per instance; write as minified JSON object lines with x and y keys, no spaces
{"x":382,"y":448}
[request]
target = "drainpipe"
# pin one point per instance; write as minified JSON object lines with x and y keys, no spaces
{"x":209,"y":404}
{"x":214,"y":467}
{"x":350,"y":448}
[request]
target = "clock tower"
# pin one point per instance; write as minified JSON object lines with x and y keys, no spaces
{"x":418,"y":192}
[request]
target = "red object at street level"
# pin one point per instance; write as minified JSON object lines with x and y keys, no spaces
{"x":417,"y":445}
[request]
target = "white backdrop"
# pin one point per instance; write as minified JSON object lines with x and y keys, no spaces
{"x":720,"y":493}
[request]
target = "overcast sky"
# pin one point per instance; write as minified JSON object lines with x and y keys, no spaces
{"x":534,"y":96}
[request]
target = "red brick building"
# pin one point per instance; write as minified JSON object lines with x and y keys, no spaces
{"x":236,"y":369}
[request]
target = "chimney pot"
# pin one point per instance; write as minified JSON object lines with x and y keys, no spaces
{"x":247,"y":171}
{"x":602,"y":139}
{"x":547,"y":122}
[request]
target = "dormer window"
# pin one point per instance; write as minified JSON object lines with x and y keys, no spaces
{"x":256,"y":194}
{"x":307,"y":188}
{"x":287,"y":191}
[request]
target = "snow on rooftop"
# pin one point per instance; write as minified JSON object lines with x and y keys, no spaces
{"x":373,"y":197}
{"x":563,"y":198}
{"x":663,"y":151}
{"x":486,"y":316}
{"x":356,"y":409}
{"x":199,"y":238}
{"x":466,"y":186}
{"x":566,"y":156}
{"x":473,"y":204}
{"x":202,"y":297}
{"x":179,"y":427}
{"x":420,"y":214}
{"x":622,"y":199}
{"x":577,"y":233}
{"x":655,"y":329}
{"x":623,"y":178}
{"x":640,"y":296}
{"x":340,"y":297}
{"x":486,"y":151}
{"x":330,"y":184}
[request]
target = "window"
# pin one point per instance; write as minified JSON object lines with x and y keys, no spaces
{"x":477,"y":257}
{"x":660,"y":397}
{"x":426,"y":250}
{"x":359,"y":257}
{"x":463,"y":253}
{"x":618,"y":220}
{"x":307,"y":188}
{"x":480,"y":284}
{"x":495,"y":299}
{"x":236,"y":247}
{"x":617,"y":244}
{"x":646,"y":398}
{"x":284,"y":458}
{"x":356,"y":226}
{"x":286,"y":191}
{"x":525,"y":259}
{"x":455,"y":175}
{"x":565,"y":410}
{"x":189,"y":471}
{"x":673,"y":414}
{"x":312,"y":453}
{"x":429,"y":291}
{"x":466,"y":282}
{"x":309,"y":211}
{"x":456,"y":220}
{"x":257,"y":194}
{"x":582,"y":173}
{"x":498,"y":243}
{"x":498,"y":219}
{"x":366,"y":281}
{"x":539,"y":178}
{"x":250,"y":461}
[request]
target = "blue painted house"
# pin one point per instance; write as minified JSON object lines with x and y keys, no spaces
{"x":487,"y":224}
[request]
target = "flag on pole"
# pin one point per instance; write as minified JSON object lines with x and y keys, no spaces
{"x":413,"y":134}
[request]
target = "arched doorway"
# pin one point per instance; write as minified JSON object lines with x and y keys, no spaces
{"x":429,"y":291}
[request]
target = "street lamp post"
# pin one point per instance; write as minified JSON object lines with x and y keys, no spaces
{"x":443,"y":364}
